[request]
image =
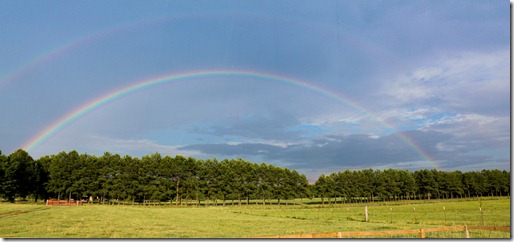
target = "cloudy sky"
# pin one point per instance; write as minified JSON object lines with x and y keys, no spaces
{"x":316,"y":86}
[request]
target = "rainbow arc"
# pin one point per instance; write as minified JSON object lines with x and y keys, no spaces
{"x":90,"y":106}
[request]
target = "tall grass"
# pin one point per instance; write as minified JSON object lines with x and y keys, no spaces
{"x":126,"y":221}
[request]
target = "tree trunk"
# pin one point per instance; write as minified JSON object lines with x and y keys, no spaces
{"x":177,"y":190}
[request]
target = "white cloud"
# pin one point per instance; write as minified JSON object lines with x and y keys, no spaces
{"x":461,"y":118}
{"x":472,"y":132}
{"x":408,"y":114}
{"x":469,"y":80}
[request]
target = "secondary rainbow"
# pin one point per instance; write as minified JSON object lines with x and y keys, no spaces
{"x":51,"y":54}
{"x":92,"y":105}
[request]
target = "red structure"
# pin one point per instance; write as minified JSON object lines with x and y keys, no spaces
{"x":63,"y":202}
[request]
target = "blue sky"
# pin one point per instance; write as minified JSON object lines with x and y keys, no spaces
{"x":422,"y":84}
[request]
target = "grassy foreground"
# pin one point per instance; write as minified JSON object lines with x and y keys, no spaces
{"x":113,"y":221}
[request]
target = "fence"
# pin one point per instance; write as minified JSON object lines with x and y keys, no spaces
{"x":380,"y":234}
{"x":63,"y":202}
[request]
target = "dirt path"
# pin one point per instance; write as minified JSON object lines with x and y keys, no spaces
{"x":18,"y":212}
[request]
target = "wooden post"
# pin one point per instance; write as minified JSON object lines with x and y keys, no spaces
{"x":339,"y":235}
{"x":421,"y":233}
{"x":466,"y":232}
{"x":366,"y":212}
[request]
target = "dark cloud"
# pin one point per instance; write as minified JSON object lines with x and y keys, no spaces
{"x":274,"y":126}
{"x":358,"y":151}
{"x":337,"y":150}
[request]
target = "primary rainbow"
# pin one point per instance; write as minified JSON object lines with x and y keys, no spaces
{"x":92,"y":105}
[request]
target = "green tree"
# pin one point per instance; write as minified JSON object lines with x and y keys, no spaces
{"x":505,"y":184}
{"x":212,"y":176}
{"x":408,"y":184}
{"x":42,"y":178}
{"x":152,"y":174}
{"x":250,"y":179}
{"x":19,"y":175}
{"x":493,"y":181}
{"x":84,"y":176}
{"x":426,"y":182}
{"x":340,"y":188}
{"x":3,"y":164}
{"x":324,"y":187}
{"x":265,"y":186}
{"x":298,"y":185}
{"x":454,"y":183}
{"x":347,"y":179}
{"x":227,"y":180}
{"x":129,"y":177}
{"x":474,"y":182}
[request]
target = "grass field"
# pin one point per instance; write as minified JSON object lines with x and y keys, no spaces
{"x":126,"y":221}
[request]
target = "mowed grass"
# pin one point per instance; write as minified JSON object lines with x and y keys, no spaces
{"x":113,"y":221}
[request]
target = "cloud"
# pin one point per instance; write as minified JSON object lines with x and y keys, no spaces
{"x":95,"y":144}
{"x":472,"y":132}
{"x":351,"y":150}
{"x":454,"y":82}
{"x":274,"y":126}
{"x":234,"y":149}
{"x":339,"y":152}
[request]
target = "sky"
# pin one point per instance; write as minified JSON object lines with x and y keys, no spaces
{"x":316,"y":86}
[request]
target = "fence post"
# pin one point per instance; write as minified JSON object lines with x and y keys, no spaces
{"x":421,"y":233}
{"x":339,"y":235}
{"x":366,"y":212}
{"x":466,"y":232}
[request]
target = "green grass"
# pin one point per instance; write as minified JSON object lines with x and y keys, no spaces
{"x":113,"y":221}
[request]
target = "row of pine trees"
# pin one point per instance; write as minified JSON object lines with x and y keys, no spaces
{"x":178,"y":180}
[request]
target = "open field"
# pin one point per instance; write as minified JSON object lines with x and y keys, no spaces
{"x":126,"y":221}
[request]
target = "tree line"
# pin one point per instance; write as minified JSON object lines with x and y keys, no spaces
{"x":177,"y":180}
{"x":392,"y":185}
